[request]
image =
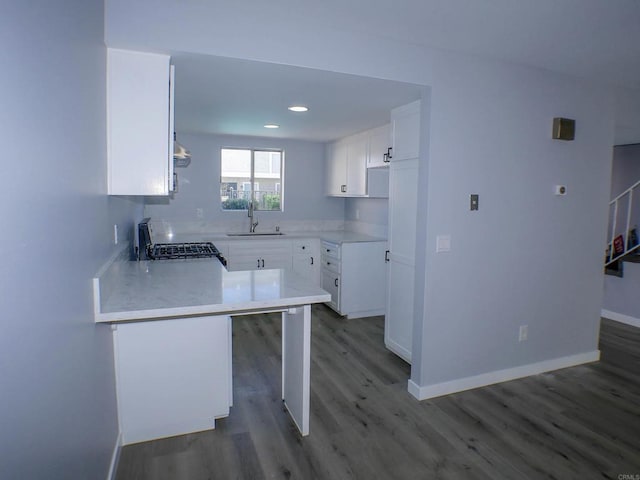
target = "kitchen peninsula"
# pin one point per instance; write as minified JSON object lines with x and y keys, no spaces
{"x":172,"y":339}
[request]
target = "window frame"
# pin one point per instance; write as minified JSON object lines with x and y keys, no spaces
{"x":252,"y":178}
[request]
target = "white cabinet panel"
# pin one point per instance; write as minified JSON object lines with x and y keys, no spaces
{"x":403,"y":209}
{"x":357,"y":166}
{"x":379,"y":146}
{"x":336,"y":169}
{"x":259,"y":254}
{"x":398,"y":329}
{"x":405,"y":123}
{"x":172,"y":376}
{"x":139,"y":123}
{"x":362,"y":269}
{"x":306,"y":259}
{"x":403,"y":188}
{"x":354,"y":274}
{"x":331,"y":283}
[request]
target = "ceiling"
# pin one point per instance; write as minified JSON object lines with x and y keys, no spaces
{"x":238,"y":97}
{"x":594,"y":39}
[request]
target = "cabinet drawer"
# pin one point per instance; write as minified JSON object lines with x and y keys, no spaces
{"x":330,"y":249}
{"x":331,"y":264}
{"x":304,"y":245}
{"x":260,"y":247}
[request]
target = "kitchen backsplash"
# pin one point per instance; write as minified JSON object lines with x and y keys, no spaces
{"x":190,"y":226}
{"x":161,"y":226}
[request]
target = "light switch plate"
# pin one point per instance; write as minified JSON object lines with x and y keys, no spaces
{"x":443,"y":243}
{"x":474,"y":201}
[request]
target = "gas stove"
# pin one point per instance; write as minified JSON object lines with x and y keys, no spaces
{"x":147,"y":250}
{"x":166,"y":251}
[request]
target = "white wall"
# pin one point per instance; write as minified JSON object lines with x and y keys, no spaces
{"x":199,"y":184}
{"x":367,"y":215}
{"x":58,"y":416}
{"x":526,"y":256}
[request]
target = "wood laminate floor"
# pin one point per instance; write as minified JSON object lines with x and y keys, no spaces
{"x":576,"y":423}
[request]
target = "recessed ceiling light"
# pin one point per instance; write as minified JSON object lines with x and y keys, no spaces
{"x":298,"y":108}
{"x":271,"y":125}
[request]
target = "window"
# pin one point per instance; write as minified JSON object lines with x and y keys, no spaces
{"x":251,"y":176}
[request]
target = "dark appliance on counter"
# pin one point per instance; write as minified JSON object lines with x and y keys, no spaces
{"x":147,"y":250}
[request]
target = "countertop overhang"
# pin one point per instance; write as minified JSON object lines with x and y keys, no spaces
{"x":147,"y":290}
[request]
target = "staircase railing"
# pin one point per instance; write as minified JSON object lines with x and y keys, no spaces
{"x":621,"y":244}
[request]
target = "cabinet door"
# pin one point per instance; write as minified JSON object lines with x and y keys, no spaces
{"x":253,"y":254}
{"x":357,"y":165}
{"x":307,"y":266}
{"x":398,"y":328}
{"x":405,"y":123}
{"x":362,"y":273}
{"x":403,"y":192}
{"x":336,"y":165}
{"x":379,"y":143}
{"x":276,"y":260}
{"x":307,"y":259}
{"x":139,"y":140}
{"x":240,"y":262}
{"x":331,"y":283}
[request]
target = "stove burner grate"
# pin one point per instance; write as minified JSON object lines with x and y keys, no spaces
{"x":164,"y":251}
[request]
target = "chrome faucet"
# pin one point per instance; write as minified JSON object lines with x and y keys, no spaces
{"x":252,"y":224}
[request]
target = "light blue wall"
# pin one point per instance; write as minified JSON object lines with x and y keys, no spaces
{"x":199,"y":183}
{"x":527,"y":256}
{"x":368,"y":210}
{"x":58,"y":415}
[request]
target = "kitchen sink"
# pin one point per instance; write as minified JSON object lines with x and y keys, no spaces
{"x":255,"y":234}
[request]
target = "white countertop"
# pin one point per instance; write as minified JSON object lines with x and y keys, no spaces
{"x":176,"y":288}
{"x":331,"y":236}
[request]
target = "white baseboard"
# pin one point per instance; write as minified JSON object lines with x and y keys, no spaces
{"x":484,"y":379}
{"x":619,"y":317}
{"x":115,"y":457}
{"x":365,"y":313}
{"x":398,"y":349}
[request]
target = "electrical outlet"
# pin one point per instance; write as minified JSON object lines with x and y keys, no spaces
{"x":199,"y":213}
{"x":443,"y":243}
{"x":524,"y":333}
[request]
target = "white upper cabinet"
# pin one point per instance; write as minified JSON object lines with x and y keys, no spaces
{"x":139,"y":123}
{"x":357,"y":165}
{"x":336,"y":169}
{"x":405,"y":124}
{"x":348,"y":161}
{"x":346,"y":165}
{"x":379,"y":146}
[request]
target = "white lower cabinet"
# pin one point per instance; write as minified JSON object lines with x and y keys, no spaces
{"x":172,"y":376}
{"x":331,"y":283}
{"x":306,"y":259}
{"x":259,"y":254}
{"x":354,"y":274}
